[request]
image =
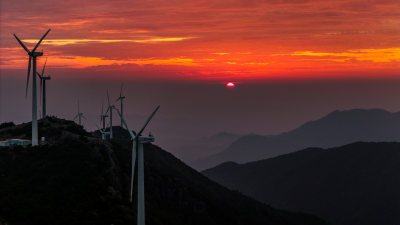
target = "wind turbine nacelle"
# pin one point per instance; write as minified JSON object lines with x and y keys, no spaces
{"x":37,"y":54}
{"x":144,"y":140}
{"x":46,"y":78}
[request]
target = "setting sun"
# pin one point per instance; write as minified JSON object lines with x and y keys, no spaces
{"x":230,"y":84}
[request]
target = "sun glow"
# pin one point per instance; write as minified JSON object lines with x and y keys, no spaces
{"x":230,"y":84}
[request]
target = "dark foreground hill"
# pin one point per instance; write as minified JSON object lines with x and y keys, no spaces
{"x":78,"y":179}
{"x":357,"y":184}
{"x":336,"y":129}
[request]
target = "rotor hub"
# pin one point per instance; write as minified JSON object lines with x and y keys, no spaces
{"x":37,"y":54}
{"x":144,"y":140}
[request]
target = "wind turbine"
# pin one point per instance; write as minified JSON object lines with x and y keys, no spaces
{"x":32,"y":57}
{"x":103,"y":117}
{"x":121,"y":98}
{"x":79,"y":115}
{"x":43,"y":89}
{"x":109,"y":110}
{"x":103,"y":133}
{"x":137,"y":148}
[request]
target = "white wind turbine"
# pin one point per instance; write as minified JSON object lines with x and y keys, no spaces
{"x":137,"y":148}
{"x":43,"y":89}
{"x":32,"y":57}
{"x":121,"y":98}
{"x":79,"y":115}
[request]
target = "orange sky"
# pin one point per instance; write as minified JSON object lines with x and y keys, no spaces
{"x":202,"y":40}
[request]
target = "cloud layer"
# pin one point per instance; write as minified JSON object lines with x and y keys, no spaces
{"x":230,"y":39}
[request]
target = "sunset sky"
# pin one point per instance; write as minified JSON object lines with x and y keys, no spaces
{"x":209,"y":40}
{"x":291,"y":61}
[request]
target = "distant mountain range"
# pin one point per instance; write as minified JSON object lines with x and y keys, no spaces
{"x":192,"y":150}
{"x":336,"y":129}
{"x":357,"y":184}
{"x":76,"y":178}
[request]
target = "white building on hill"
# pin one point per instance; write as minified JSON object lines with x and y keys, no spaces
{"x":15,"y":142}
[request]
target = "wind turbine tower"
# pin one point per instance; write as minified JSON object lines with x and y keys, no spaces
{"x":43,"y":89}
{"x":32,"y":57}
{"x":121,"y":98}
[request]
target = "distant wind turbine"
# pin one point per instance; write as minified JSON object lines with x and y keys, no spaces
{"x":137,"y":148}
{"x":79,"y":115}
{"x":109,"y":110}
{"x":43,"y":89}
{"x":32,"y":57}
{"x":121,"y":98}
{"x":103,"y":133}
{"x":103,"y":117}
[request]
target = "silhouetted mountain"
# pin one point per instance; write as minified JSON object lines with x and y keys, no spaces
{"x":75,"y":178}
{"x":336,"y":129}
{"x":357,"y":184}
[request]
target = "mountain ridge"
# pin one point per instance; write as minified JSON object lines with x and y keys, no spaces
{"x":335,"y":129}
{"x":355,"y":184}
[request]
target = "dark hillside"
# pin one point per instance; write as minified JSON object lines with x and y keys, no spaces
{"x":78,"y":179}
{"x":356,"y":184}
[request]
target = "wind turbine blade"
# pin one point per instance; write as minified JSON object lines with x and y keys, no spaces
{"x":22,"y":44}
{"x":120,"y":94}
{"x":41,"y":39}
{"x":44,"y":66}
{"x":108,"y":99}
{"x":147,"y":122}
{"x":41,"y":90}
{"x":41,"y":77}
{"x":102,"y":111}
{"x":78,"y":107}
{"x":76,"y":116}
{"x":27,"y":78}
{"x":84,"y":117}
{"x":125,"y":124}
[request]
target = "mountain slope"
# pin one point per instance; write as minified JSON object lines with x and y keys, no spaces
{"x":336,"y":129}
{"x":191,"y":150}
{"x":78,"y":179}
{"x":357,"y":184}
